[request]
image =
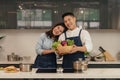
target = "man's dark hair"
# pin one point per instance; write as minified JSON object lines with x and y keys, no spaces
{"x":67,"y":14}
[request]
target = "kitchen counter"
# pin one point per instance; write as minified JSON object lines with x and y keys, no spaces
{"x":59,"y":62}
{"x":114,"y":64}
{"x":103,"y":62}
{"x":15,"y":62}
{"x":96,"y":73}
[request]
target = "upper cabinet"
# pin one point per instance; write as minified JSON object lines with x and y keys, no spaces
{"x":37,"y":14}
{"x":8,"y":14}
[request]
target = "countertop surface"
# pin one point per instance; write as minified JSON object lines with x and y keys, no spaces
{"x":59,"y":62}
{"x":15,"y":62}
{"x":90,"y":73}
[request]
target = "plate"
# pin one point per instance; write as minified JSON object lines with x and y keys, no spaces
{"x":11,"y":71}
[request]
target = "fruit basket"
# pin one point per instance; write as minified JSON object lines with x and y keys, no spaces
{"x":63,"y":47}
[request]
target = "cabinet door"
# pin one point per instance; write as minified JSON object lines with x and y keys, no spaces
{"x":91,"y":14}
{"x":7,"y":14}
{"x":88,"y":18}
{"x":34,"y":18}
{"x":3,"y":17}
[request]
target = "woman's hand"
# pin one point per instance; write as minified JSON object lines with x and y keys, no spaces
{"x":48,"y":51}
{"x":60,"y":50}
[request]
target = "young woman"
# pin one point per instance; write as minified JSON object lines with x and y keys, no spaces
{"x":46,"y":57}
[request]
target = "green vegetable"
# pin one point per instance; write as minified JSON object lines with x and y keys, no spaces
{"x":70,"y":42}
{"x":55,"y":44}
{"x":86,"y":53}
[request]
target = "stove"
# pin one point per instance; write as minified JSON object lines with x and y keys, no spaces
{"x":56,"y":71}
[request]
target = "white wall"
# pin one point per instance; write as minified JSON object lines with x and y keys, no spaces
{"x":109,"y":40}
{"x":22,"y":42}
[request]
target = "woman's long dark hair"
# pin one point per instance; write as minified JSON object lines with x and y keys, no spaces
{"x":50,"y":32}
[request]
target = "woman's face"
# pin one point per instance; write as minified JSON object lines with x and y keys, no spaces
{"x":70,"y":22}
{"x":58,"y":30}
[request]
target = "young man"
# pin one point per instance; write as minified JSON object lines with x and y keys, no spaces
{"x":82,"y":40}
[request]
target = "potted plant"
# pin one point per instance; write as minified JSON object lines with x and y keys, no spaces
{"x":1,"y":37}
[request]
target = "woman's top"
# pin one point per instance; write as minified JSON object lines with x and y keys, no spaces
{"x":47,"y":60}
{"x":44,"y":43}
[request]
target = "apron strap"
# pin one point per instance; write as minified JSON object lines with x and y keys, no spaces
{"x":65,"y":35}
{"x":80,"y":32}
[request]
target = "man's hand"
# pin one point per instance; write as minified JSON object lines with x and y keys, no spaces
{"x":64,"y":49}
{"x":74,"y":49}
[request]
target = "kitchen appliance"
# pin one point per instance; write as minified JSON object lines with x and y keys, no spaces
{"x":25,"y":67}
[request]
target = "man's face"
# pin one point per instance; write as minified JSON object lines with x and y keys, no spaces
{"x":70,"y":22}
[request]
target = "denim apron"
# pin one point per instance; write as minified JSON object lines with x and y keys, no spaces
{"x":68,"y":59}
{"x":45,"y":61}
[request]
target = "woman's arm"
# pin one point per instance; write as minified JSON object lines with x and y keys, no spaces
{"x":43,"y":45}
{"x":47,"y":51}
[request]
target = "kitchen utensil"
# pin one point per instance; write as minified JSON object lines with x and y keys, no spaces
{"x":107,"y":55}
{"x":84,"y":65}
{"x":13,"y":57}
{"x":99,"y":58}
{"x":80,"y":65}
{"x":77,"y":65}
{"x":25,"y":67}
{"x":59,"y":70}
{"x":26,"y":58}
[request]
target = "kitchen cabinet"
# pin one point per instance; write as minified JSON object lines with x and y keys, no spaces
{"x":94,"y":14}
{"x":8,"y":14}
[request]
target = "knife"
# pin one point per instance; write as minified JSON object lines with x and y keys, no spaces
{"x":102,"y":50}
